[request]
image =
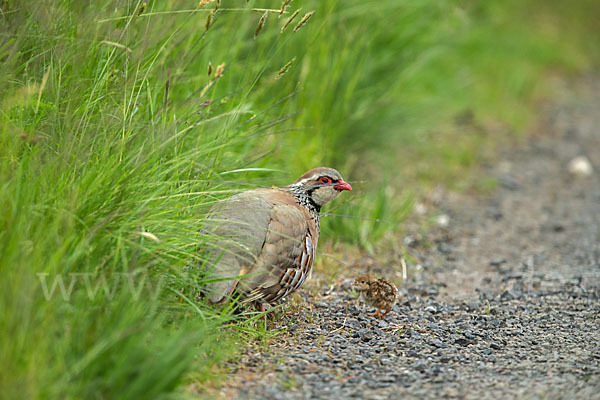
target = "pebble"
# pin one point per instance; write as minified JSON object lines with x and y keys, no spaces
{"x":497,"y":261}
{"x":442,"y":220}
{"x":580,"y":166}
{"x":431,"y":309}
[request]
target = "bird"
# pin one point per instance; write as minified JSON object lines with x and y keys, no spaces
{"x":378,"y":293}
{"x":262,"y":242}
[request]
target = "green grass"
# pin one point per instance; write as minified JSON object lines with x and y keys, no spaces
{"x":115,"y":141}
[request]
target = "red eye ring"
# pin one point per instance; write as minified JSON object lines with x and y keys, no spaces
{"x":325,"y":180}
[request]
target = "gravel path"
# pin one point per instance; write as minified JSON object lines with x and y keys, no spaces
{"x":504,"y":302}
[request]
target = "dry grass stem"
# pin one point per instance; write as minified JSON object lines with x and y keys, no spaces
{"x":290,"y":19}
{"x":285,"y":68}
{"x":404,"y":272}
{"x":150,"y":236}
{"x":341,"y":327}
{"x":117,"y":45}
{"x":261,"y":23}
{"x":303,"y":20}
{"x":42,"y":86}
{"x":218,"y":74}
{"x":167,"y":85}
{"x":206,"y":88}
{"x":283,"y":7}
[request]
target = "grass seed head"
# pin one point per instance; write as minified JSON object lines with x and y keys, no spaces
{"x":142,"y":7}
{"x":209,"y":19}
{"x":209,"y":68}
{"x":261,"y":23}
{"x":204,"y":2}
{"x":219,"y":71}
{"x":290,"y":19}
{"x":285,"y":68}
{"x":283,"y":7}
{"x":303,"y":20}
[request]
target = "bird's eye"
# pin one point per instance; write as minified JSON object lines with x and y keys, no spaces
{"x":325,"y":180}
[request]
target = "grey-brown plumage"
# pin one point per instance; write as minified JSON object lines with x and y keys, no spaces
{"x":378,"y":293}
{"x":269,"y":236}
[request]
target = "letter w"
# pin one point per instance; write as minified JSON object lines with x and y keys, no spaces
{"x":58,"y":280}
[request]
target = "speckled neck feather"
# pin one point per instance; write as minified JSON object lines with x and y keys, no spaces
{"x":304,"y":197}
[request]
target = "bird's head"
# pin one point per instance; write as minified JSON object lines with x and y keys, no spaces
{"x":320,"y":185}
{"x":362,"y":282}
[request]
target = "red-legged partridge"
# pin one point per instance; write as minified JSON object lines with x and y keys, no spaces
{"x":378,"y":293}
{"x":268,"y":235}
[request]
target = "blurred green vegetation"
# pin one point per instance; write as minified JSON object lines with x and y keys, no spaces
{"x":114,"y":140}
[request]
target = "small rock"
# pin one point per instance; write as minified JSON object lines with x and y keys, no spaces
{"x":580,"y":166}
{"x":495,"y":213}
{"x":431,"y":309}
{"x":507,"y":295}
{"x":509,"y":182}
{"x":497,"y":261}
{"x":446,"y":358}
{"x":515,"y":276}
{"x":495,"y":346}
{"x":469,"y":335}
{"x":438,"y":343}
{"x":445,"y":248}
{"x":442,"y":220}
{"x":411,"y":241}
{"x":558,"y":228}
{"x":450,"y":392}
{"x":419,"y":365}
{"x":420,"y":209}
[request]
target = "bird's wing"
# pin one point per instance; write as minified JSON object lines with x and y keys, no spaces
{"x":235,"y":232}
{"x":287,"y":256}
{"x":389,"y":290}
{"x":266,"y":234}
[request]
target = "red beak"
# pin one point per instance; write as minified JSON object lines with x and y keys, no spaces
{"x":341,"y":185}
